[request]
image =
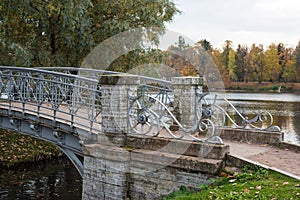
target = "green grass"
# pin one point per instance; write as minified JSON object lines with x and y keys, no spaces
{"x":17,"y":149}
{"x":259,"y":184}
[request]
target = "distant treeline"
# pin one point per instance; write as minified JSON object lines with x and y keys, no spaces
{"x":277,"y":63}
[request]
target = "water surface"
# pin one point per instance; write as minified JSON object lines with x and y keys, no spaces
{"x":56,"y":179}
{"x":284,"y":107}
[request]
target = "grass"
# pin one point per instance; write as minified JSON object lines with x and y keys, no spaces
{"x":17,"y":149}
{"x":259,"y":184}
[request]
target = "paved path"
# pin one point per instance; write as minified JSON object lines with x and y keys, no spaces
{"x":282,"y":160}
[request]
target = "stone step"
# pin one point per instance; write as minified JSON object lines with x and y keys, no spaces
{"x":168,"y":145}
{"x":199,"y":164}
{"x":154,"y":160}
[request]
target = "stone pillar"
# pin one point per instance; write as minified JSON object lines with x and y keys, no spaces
{"x":105,"y":172}
{"x":115,"y":101}
{"x":185,"y":98}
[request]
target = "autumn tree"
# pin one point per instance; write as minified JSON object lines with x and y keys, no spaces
{"x":285,"y":55}
{"x":231,"y":65}
{"x":287,"y":63}
{"x":217,"y":58}
{"x":296,"y":57}
{"x":227,"y":46}
{"x":240,"y":62}
{"x":255,"y":65}
{"x":62,"y":33}
{"x":205,"y":45}
{"x":272,"y":68}
{"x":290,"y":71}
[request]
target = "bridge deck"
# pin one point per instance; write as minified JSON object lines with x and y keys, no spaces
{"x":282,"y":160}
{"x":81,"y":119}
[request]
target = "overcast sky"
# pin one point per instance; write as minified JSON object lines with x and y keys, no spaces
{"x":241,"y":21}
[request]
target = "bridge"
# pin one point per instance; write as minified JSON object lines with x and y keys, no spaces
{"x":127,"y":135}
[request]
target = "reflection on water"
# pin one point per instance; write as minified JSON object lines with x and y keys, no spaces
{"x":57,"y":179}
{"x":285,"y":109}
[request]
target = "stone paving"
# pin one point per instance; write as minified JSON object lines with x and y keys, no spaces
{"x":286,"y":161}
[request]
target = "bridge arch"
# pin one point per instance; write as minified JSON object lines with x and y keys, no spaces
{"x":59,"y":134}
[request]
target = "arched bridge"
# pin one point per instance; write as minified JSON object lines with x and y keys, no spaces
{"x":70,"y":107}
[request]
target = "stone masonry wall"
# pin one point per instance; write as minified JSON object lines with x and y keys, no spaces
{"x":135,"y":170}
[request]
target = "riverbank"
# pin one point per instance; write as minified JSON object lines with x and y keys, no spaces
{"x":263,"y":87}
{"x":17,"y":150}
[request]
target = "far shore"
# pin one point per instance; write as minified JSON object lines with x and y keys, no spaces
{"x":263,"y":87}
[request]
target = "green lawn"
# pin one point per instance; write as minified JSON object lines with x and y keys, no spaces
{"x":257,"y":184}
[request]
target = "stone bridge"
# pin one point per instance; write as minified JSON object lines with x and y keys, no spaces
{"x":130,"y":137}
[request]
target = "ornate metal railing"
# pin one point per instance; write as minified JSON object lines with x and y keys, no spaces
{"x":223,"y":113}
{"x":96,"y":74}
{"x":153,"y":113}
{"x":58,"y":96}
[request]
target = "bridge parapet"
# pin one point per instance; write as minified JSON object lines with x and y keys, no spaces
{"x":57,"y":96}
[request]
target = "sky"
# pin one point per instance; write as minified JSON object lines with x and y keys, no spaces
{"x":241,"y":21}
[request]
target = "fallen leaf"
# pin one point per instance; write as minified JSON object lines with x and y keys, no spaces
{"x":258,"y":187}
{"x":246,"y":190}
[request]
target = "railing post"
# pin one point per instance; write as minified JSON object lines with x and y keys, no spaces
{"x":185,"y":98}
{"x":115,"y":90}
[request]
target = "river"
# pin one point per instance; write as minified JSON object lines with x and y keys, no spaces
{"x":284,"y":107}
{"x":56,"y":179}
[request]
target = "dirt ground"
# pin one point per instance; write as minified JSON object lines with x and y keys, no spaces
{"x":275,"y":158}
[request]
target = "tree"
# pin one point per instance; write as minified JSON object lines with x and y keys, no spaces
{"x":296,"y":56}
{"x":290,"y":71}
{"x":240,"y":62}
{"x":231,"y":65}
{"x":273,"y":68}
{"x":285,"y":60}
{"x":62,"y":33}
{"x":217,"y":57}
{"x":181,"y":43}
{"x":225,"y":59}
{"x":205,"y":45}
{"x":227,"y":46}
{"x":255,"y":67}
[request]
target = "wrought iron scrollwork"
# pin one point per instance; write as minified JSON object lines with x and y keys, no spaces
{"x":222,"y":113}
{"x":61,"y":96}
{"x":152,"y":114}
